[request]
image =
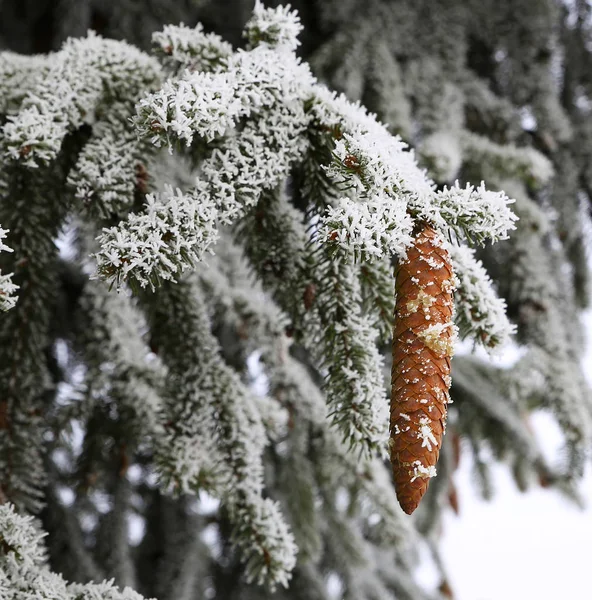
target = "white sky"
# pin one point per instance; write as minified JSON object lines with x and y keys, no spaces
{"x":533,"y":546}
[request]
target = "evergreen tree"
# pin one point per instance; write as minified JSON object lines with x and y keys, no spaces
{"x":198,"y":266}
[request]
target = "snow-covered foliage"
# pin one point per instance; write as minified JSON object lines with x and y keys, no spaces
{"x":106,"y":174}
{"x":201,"y":360}
{"x":354,"y":385}
{"x":215,"y":436}
{"x":23,"y":569}
{"x":171,"y":235}
{"x":507,"y":160}
{"x":86,"y":77}
{"x":277,"y":28}
{"x":372,"y":164}
{"x":480,"y":314}
{"x":477,"y":213}
{"x":370,"y":230}
{"x":191,"y":48}
{"x":120,"y":367}
{"x":7,"y":287}
{"x":18,"y":76}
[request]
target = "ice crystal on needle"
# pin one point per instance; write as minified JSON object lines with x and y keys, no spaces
{"x":480,"y":314}
{"x":7,"y":288}
{"x":191,"y":48}
{"x":277,"y":28}
{"x":168,"y":238}
{"x":478,"y":213}
{"x":83,"y":73}
{"x":368,"y":230}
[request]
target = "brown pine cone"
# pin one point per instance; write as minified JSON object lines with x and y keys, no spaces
{"x":423,"y":341}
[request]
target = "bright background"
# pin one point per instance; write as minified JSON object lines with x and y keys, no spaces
{"x":532,"y":546}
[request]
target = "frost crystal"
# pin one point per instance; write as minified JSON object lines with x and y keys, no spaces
{"x":24,"y":573}
{"x":477,"y":213}
{"x":426,"y":435}
{"x":7,"y":288}
{"x":191,"y":48}
{"x":71,"y":93}
{"x":18,"y":75}
{"x":420,"y":471}
{"x":480,"y":313}
{"x":161,"y":243}
{"x":203,"y":104}
{"x":275,"y":27}
{"x":369,"y":230}
{"x":106,"y":173}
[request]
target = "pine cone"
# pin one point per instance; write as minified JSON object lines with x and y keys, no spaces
{"x":423,"y":341}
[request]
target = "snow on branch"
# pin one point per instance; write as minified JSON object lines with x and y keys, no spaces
{"x":159,"y":244}
{"x":480,"y":313}
{"x":367,"y":158}
{"x":23,"y":569}
{"x":20,"y":537}
{"x":263,"y":107}
{"x":7,"y":288}
{"x":368,"y":230}
{"x":328,"y":319}
{"x":191,"y":48}
{"x":477,"y":213}
{"x":232,"y":178}
{"x":85,"y":74}
{"x":343,"y":340}
{"x":215,"y":437}
{"x":108,"y":169}
{"x":291,"y":384}
{"x":119,"y":367}
{"x":19,"y":74}
{"x":205,"y":104}
{"x":381,"y":181}
{"x":274,"y":27}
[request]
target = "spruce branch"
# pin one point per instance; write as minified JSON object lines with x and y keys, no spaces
{"x":508,"y":161}
{"x":87,"y":77}
{"x":120,"y":369}
{"x":170,"y":236}
{"x":110,"y":169}
{"x":34,"y":216}
{"x":376,"y":280}
{"x":24,"y":570}
{"x":215,"y":436}
{"x":480,"y":314}
{"x":7,"y":287}
{"x":182,"y":47}
{"x":262,"y":326}
{"x":345,"y":343}
{"x":254,"y":387}
{"x":275,"y":28}
{"x":18,"y":76}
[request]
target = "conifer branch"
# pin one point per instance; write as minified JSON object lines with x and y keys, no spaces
{"x":480,"y":314}
{"x":215,"y":436}
{"x":87,"y":77}
{"x":7,"y":287}
{"x":24,"y":569}
{"x":182,"y":47}
{"x":120,"y":368}
{"x":18,"y":76}
{"x":110,"y":169}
